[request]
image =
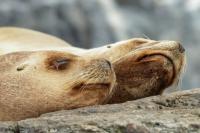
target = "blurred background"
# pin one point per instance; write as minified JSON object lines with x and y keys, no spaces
{"x":93,"y":23}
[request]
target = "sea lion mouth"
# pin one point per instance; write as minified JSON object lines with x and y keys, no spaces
{"x":168,"y":64}
{"x":90,"y":86}
{"x":100,"y":92}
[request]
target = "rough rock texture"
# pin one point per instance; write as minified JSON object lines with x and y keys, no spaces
{"x":176,"y":112}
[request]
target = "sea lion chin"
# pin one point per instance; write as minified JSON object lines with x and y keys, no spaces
{"x":33,"y":83}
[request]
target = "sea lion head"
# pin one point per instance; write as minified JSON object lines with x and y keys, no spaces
{"x":33,"y":83}
{"x":146,"y":67}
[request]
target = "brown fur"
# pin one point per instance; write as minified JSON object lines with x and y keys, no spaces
{"x":143,"y":68}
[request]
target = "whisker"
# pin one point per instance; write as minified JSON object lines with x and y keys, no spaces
{"x":73,"y":80}
{"x":83,"y":87}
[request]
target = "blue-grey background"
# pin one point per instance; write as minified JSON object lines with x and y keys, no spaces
{"x":92,"y":23}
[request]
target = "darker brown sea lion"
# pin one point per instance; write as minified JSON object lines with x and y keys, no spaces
{"x":143,"y":67}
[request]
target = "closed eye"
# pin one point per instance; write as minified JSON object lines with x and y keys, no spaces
{"x":60,"y":63}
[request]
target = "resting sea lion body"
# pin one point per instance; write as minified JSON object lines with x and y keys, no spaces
{"x":143,"y":67}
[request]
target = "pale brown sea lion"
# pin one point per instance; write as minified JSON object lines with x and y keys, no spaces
{"x":33,"y":83}
{"x":143,"y":67}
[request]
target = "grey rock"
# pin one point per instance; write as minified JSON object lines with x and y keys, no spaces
{"x":177,"y":112}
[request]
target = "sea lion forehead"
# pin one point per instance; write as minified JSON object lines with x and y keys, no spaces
{"x":50,"y":53}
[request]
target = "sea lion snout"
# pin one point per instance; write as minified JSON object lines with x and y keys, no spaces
{"x":108,"y":64}
{"x":94,"y":84}
{"x":104,"y":63}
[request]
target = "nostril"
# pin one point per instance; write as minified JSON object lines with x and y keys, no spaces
{"x":105,"y":64}
{"x":108,"y":62}
{"x":181,"y":48}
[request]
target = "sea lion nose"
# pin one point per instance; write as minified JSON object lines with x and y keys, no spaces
{"x":181,"y":48}
{"x":108,"y":63}
{"x":105,"y":63}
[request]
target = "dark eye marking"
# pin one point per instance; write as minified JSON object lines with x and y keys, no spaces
{"x":60,"y":64}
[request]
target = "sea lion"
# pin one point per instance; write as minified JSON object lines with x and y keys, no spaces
{"x":33,"y":83}
{"x":143,"y":67}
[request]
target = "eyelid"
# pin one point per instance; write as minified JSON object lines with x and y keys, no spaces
{"x":60,"y":64}
{"x":62,"y":60}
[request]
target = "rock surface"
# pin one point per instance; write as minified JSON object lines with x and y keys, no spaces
{"x":176,"y":112}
